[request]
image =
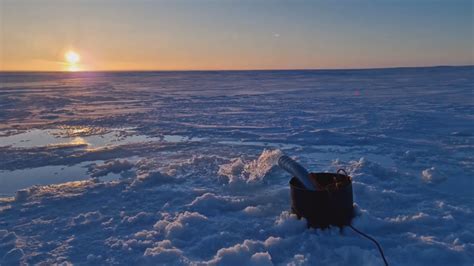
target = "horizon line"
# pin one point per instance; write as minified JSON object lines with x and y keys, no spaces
{"x":232,"y":70}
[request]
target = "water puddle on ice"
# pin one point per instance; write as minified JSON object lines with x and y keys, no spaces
{"x":179,"y":138}
{"x":11,"y":181}
{"x":78,"y":138}
{"x":90,"y":137}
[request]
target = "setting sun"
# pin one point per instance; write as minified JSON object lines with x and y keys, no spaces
{"x":72,"y":57}
{"x":72,"y":61}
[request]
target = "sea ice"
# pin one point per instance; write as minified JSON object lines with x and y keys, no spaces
{"x":178,"y":167}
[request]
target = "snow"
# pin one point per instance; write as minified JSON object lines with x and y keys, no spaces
{"x":431,"y":175}
{"x":178,"y":167}
{"x":240,"y":171}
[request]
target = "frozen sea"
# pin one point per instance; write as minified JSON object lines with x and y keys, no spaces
{"x":147,"y":168}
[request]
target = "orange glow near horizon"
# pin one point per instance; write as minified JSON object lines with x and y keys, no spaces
{"x":73,"y":68}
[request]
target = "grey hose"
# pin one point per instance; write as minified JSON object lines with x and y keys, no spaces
{"x":294,"y":168}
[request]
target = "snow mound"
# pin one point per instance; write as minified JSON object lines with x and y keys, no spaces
{"x":182,"y":225}
{"x":366,"y":168}
{"x":153,"y":178}
{"x":247,"y":253}
{"x":238,"y":170}
{"x":288,"y":223}
{"x":89,"y":218}
{"x":164,"y":253}
{"x":209,"y":203}
{"x":9,"y":253}
{"x":111,"y":166}
{"x":432,"y":175}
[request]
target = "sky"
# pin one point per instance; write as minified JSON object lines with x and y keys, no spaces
{"x":35,"y":35}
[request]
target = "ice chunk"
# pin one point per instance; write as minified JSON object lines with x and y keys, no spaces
{"x":432,"y":175}
{"x":164,"y":253}
{"x":13,"y":257}
{"x":111,"y":166}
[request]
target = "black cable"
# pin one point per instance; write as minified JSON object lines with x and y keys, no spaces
{"x":373,"y":240}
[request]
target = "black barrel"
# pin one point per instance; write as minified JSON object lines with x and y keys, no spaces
{"x":330,"y":205}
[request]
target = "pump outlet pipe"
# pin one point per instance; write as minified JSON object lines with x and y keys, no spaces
{"x":294,"y":168}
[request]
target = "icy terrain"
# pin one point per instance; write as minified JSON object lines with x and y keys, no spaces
{"x":174,"y":167}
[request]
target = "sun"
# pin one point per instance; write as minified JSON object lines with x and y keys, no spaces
{"x":72,"y":61}
{"x":72,"y":57}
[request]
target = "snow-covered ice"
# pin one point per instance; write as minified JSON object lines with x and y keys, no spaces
{"x":176,"y":167}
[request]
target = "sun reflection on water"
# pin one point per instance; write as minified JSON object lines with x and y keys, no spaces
{"x":78,"y":141}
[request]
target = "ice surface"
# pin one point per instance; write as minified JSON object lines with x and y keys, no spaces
{"x":177,"y":167}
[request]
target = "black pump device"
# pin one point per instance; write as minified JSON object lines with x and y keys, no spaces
{"x":330,"y":204}
{"x":323,"y":199}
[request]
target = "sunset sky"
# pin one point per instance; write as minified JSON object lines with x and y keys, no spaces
{"x":225,"y":34}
